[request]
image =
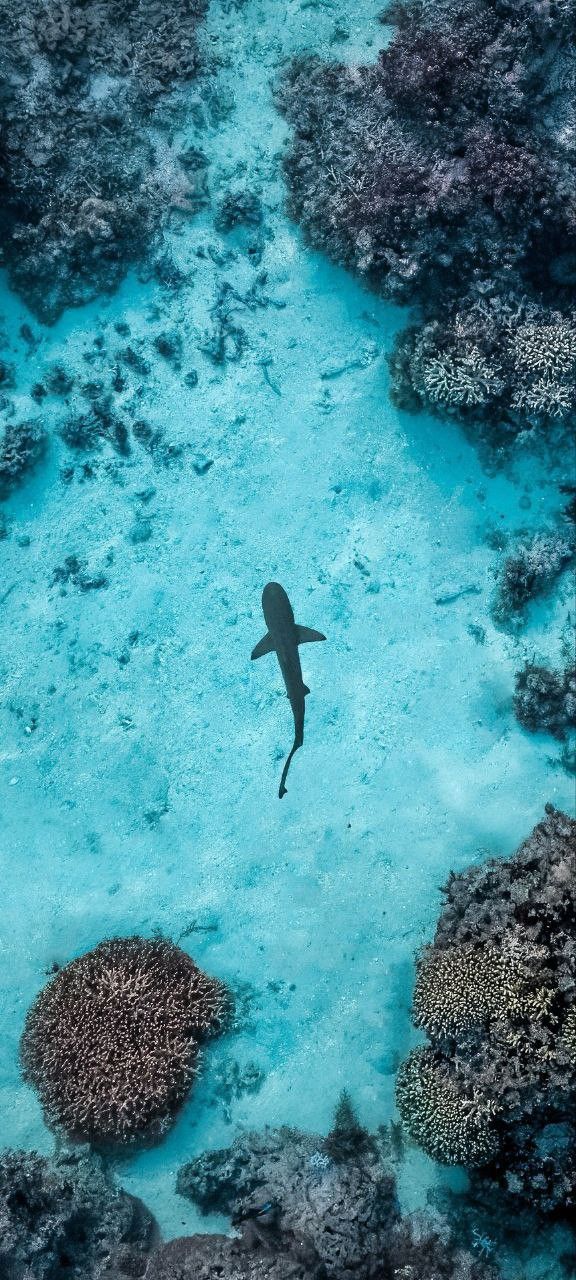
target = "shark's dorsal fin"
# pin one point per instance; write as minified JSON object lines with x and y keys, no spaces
{"x":265,"y":645}
{"x":306,"y":635}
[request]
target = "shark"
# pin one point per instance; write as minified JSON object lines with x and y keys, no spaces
{"x":283,"y":637}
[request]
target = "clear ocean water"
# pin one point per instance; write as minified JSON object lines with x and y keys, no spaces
{"x":140,"y":748}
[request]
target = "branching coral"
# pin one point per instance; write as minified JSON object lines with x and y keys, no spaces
{"x":459,"y":378}
{"x":544,"y":398}
{"x":546,"y":700}
{"x":111,"y":1044}
{"x":450,"y":1126}
{"x":522,"y":371}
{"x":568,"y":1037}
{"x":462,"y":988}
{"x":546,"y":349}
{"x":438,"y":174}
{"x":512,"y":1069}
{"x":22,"y":445}
{"x":528,"y":572}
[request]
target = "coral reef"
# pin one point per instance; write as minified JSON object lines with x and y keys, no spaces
{"x":496,"y":993}
{"x":495,"y":363}
{"x":88,"y":178}
{"x":111,"y":1043}
{"x":318,"y":1198}
{"x":63,"y":1216}
{"x":529,"y":571}
{"x":445,"y":175}
{"x":546,"y":700}
{"x":326,"y":1206}
{"x":457,"y":989}
{"x":453,"y":1127}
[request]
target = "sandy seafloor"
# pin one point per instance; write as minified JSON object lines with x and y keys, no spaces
{"x":139,"y":776}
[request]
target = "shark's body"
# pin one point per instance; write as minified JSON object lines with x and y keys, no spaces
{"x":282,"y":638}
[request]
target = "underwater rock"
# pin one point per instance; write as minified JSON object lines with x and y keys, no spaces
{"x":445,"y":179}
{"x":528,"y":572}
{"x":169,"y":345}
{"x":80,"y":89}
{"x":496,"y":995}
{"x":63,"y":1215}
{"x":111,"y":1043}
{"x":546,"y":700}
{"x":416,"y":1251}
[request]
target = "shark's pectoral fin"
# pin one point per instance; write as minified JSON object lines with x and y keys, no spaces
{"x":306,"y":689}
{"x":265,"y":645}
{"x":306,"y":635}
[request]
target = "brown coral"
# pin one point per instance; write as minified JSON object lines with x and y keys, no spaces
{"x":111,"y":1044}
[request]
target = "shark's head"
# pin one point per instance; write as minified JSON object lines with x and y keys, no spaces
{"x":275,"y":603}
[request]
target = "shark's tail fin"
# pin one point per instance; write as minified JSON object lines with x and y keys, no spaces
{"x":298,"y":740}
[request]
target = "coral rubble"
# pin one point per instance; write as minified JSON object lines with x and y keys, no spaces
{"x":445,"y":175}
{"x":496,"y":994}
{"x":111,"y":1043}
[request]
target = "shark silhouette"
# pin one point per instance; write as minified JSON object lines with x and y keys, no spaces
{"x":282,"y":638}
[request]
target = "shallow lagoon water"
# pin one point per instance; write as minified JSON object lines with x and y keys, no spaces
{"x":141,"y":750}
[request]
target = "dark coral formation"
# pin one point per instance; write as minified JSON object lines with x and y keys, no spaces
{"x":299,"y":1212}
{"x":22,"y":445}
{"x":496,"y":993}
{"x":87,"y":178}
{"x":319,"y":1198}
{"x":111,"y":1043}
{"x":546,"y":700}
{"x":310,"y":1206}
{"x":445,"y":175}
{"x":414,"y":1252}
{"x":528,"y":572}
{"x":204,"y":1257}
{"x":64,"y":1217}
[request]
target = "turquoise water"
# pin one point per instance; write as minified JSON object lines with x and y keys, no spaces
{"x":141,"y":750}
